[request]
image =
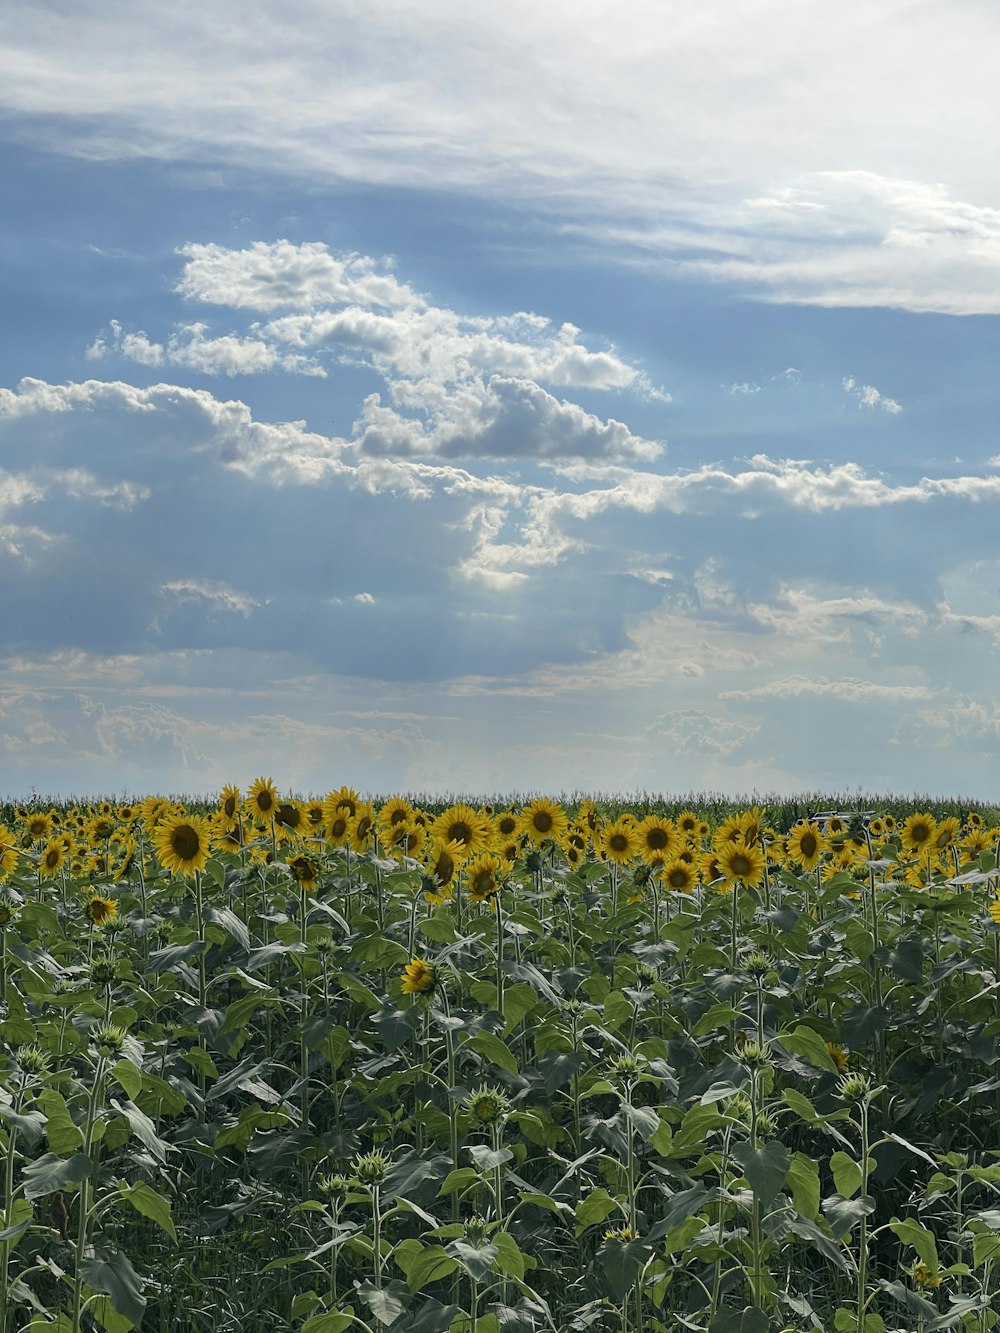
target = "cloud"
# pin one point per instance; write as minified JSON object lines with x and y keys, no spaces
{"x":855,"y":691}
{"x":457,"y":385}
{"x":902,"y":211}
{"x":868,"y":396}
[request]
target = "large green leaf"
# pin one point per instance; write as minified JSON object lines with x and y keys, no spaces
{"x":114,"y":1275}
{"x":145,"y":1200}
{"x":765,"y":1168}
{"x":51,"y":1173}
{"x":64,"y":1136}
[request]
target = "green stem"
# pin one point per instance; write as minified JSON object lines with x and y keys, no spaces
{"x":85,"y":1202}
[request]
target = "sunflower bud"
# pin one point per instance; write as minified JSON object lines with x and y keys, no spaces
{"x":33,"y":1060}
{"x":854,"y":1088}
{"x":489,"y":1106}
{"x":109,"y":1039}
{"x":370,"y":1168}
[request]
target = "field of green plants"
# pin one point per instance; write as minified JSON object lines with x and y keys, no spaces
{"x":280,"y":1064}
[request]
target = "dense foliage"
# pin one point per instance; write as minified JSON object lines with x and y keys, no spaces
{"x":329,"y":1065}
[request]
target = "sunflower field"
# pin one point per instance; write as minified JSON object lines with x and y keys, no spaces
{"x":328,"y":1065}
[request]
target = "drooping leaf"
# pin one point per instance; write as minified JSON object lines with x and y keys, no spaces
{"x":765,"y":1168}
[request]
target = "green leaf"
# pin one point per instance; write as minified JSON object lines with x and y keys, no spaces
{"x":20,"y":1214}
{"x":912,"y":1233}
{"x":846,"y":1174}
{"x":803,"y":1040}
{"x":619,"y":1264}
{"x":509,"y":1260}
{"x":803,"y":1181}
{"x":518,"y":1001}
{"x":459,"y":1180}
{"x":750,"y":1320}
{"x":907,"y":960}
{"x":30,"y":1124}
{"x":145,"y":1200}
{"x":426,"y":1264}
{"x":328,"y":1323}
{"x":477,"y":1260}
{"x":843,"y":1213}
{"x":51,"y":1173}
{"x":487,"y":1158}
{"x":116,"y":1278}
{"x":683,"y":1204}
{"x":765,"y":1168}
{"x":496,"y":1051}
{"x":63,"y":1135}
{"x":594,"y":1208}
{"x":985,"y":1248}
{"x":128,"y":1078}
{"x":385,"y":1303}
{"x":143,"y":1129}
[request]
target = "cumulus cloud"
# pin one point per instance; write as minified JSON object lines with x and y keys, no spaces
{"x":868,"y":396}
{"x":456,"y":385}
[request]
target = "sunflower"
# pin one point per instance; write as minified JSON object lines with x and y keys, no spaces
{"x":730,"y":830}
{"x":394,"y":811}
{"x":151,"y":808}
{"x":658,"y":839}
{"x":181,"y":843}
{"x":314,"y":817}
{"x":679,"y":877}
{"x":505,"y":825}
{"x":945,"y":833}
{"x":543,"y":819}
{"x":975,"y":842}
{"x":337,"y":828}
{"x":100,"y":910}
{"x":262,"y":799}
{"x":229,"y":805}
{"x":740,"y":861}
{"x":52,"y":858}
{"x":918,"y":832}
{"x":752,"y":824}
{"x":838,"y":1055}
{"x":835,"y":825}
{"x":289,"y":820}
{"x":101,"y":827}
{"x":806,"y":844}
{"x":419,"y":977}
{"x":460,"y":823}
{"x":404,"y":839}
{"x":974,"y":820}
{"x":687,"y":822}
{"x":38,"y":826}
{"x":444,"y":860}
{"x":305,"y":871}
{"x":484,"y":877}
{"x":8,"y":852}
{"x":346,"y":799}
{"x":619,"y":842}
{"x":360,"y":827}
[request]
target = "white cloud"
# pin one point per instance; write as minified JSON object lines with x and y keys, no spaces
{"x":854,"y":691}
{"x":868,"y":396}
{"x":882,"y":104}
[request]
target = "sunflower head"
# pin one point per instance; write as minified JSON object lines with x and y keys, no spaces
{"x":924,"y":1276}
{"x":419,"y":977}
{"x":544,"y":819}
{"x":100,"y":910}
{"x":838,"y":1055}
{"x":262,"y":799}
{"x":488,"y":1105}
{"x":181,"y":843}
{"x":305,"y":871}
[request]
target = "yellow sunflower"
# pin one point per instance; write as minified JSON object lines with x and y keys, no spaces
{"x":394,"y":811}
{"x":305,"y":870}
{"x":181,"y":843}
{"x":739,"y":861}
{"x":262,"y":799}
{"x":946,"y":833}
{"x":618,"y":842}
{"x":361,"y":826}
{"x":443,"y":861}
{"x":229,"y":805}
{"x":484,"y":873}
{"x":100,"y":910}
{"x":679,"y":877}
{"x":289,"y":820}
{"x":658,"y":839}
{"x":337,"y":827}
{"x":37,"y":826}
{"x":52,"y":858}
{"x":806,"y":844}
{"x":542,"y":819}
{"x":419,"y":977}
{"x":345,"y":799}
{"x":918,"y":832}
{"x":8,"y":852}
{"x":460,"y":823}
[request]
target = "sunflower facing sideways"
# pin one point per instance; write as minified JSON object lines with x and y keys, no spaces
{"x":806,"y":845}
{"x":181,"y":843}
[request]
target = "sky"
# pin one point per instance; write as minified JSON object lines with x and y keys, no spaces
{"x":463,"y":399}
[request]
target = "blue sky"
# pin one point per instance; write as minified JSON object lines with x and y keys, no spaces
{"x":451,"y":400}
